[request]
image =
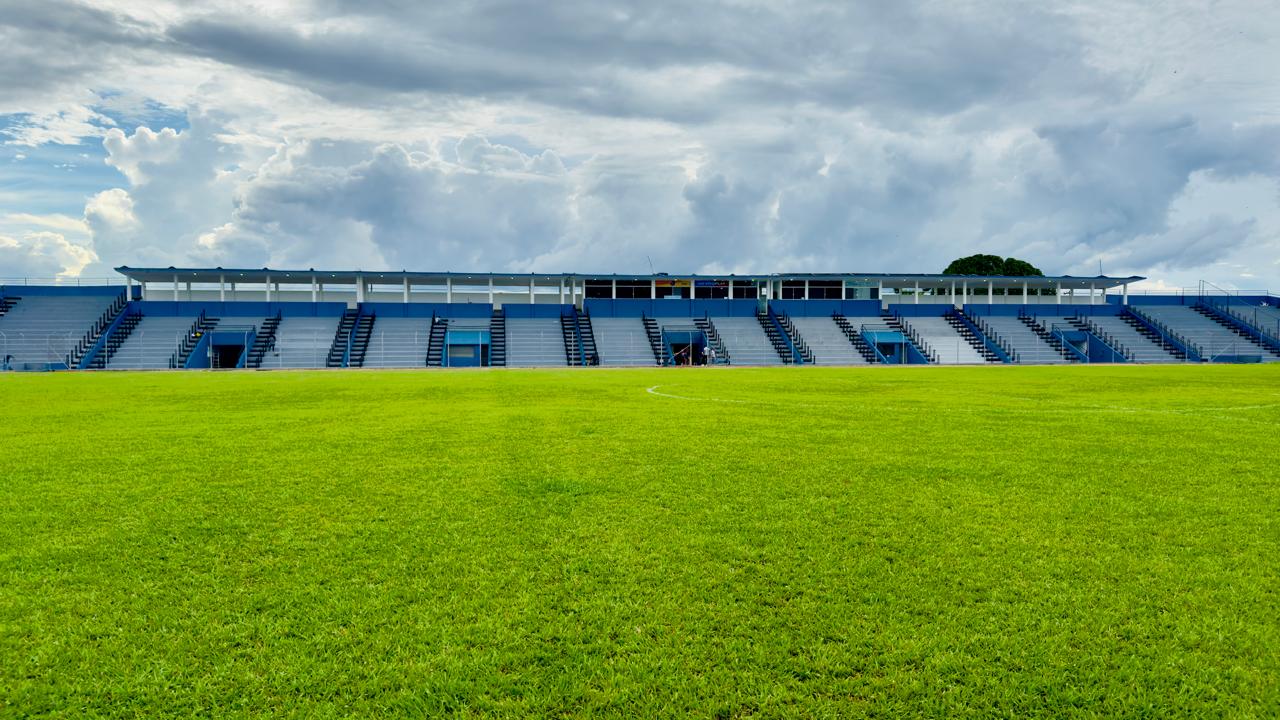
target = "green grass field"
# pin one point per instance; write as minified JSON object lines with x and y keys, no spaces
{"x":774,"y":543}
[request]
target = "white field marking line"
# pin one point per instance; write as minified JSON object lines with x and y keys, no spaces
{"x":654,"y":391}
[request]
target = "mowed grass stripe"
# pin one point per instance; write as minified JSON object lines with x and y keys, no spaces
{"x":787,"y":543}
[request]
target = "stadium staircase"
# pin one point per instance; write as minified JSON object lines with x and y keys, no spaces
{"x":1137,"y":332}
{"x":1045,"y":334}
{"x":588,"y":336}
{"x":497,"y":339}
{"x":1261,"y":319}
{"x":803,"y":354}
{"x":263,"y":341}
{"x":1166,"y":334}
{"x":708,"y":329}
{"x":995,"y":342}
{"x":573,"y":355}
{"x":1085,"y":324}
{"x":774,"y":333}
{"x":115,"y":338}
{"x":360,"y":339}
{"x":579,"y":341}
{"x":855,"y":338}
{"x":1241,"y":328}
{"x":659,"y":346}
{"x":341,"y":340}
{"x":895,"y":322}
{"x":202,"y":325}
{"x":435,"y":343}
{"x":971,"y":335}
{"x":89,"y":340}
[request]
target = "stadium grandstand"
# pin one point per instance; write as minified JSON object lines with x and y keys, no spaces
{"x":202,"y":318}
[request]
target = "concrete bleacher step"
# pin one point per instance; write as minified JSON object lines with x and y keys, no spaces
{"x":951,"y":345}
{"x":40,"y":330}
{"x":828,"y":342}
{"x":622,"y":341}
{"x":536,"y":342}
{"x":1209,"y":337}
{"x":301,"y":343}
{"x":745,"y":341}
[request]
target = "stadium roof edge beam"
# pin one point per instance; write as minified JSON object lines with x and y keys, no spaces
{"x":899,"y":281}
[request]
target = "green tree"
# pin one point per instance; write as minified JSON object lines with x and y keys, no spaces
{"x":994,"y":265}
{"x":1013,"y":267}
{"x":976,"y":265}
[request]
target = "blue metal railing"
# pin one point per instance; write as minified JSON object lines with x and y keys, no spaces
{"x":1192,"y":351}
{"x":993,"y":347}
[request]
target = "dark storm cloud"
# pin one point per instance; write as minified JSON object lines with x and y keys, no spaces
{"x":45,"y":44}
{"x":610,"y":58}
{"x":738,"y":135}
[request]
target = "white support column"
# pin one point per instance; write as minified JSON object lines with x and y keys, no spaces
{"x":448,"y":290}
{"x":1057,"y":291}
{"x":406,"y":289}
{"x":1024,"y":292}
{"x":806,"y":289}
{"x":991,"y":291}
{"x":319,"y":290}
{"x":359,"y":289}
{"x":233,"y":291}
{"x":653,"y":289}
{"x":175,"y":287}
{"x":142,"y":289}
{"x":1093,"y":293}
{"x":964,"y":300}
{"x":561,"y":291}
{"x":880,"y":291}
{"x":953,"y":293}
{"x":222,"y":288}
{"x":1124,"y":298}
{"x":613,"y":293}
{"x":917,"y":292}
{"x":730,"y":296}
{"x":268,"y":287}
{"x":189,"y":297}
{"x":314,"y":294}
{"x":532,"y":299}
{"x":490,"y":290}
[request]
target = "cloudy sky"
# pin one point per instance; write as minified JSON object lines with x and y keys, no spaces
{"x":743,"y":136}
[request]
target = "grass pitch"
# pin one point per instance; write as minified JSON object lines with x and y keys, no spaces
{"x":712,"y":543}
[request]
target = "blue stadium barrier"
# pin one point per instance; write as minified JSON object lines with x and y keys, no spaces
{"x":60,"y":290}
{"x":670,"y":307}
{"x":454,"y":311}
{"x":169,"y":308}
{"x":530,"y":312}
{"x":911,"y":310}
{"x":826,"y":308}
{"x":981,"y":309}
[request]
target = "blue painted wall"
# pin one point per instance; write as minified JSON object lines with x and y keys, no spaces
{"x":535,"y":311}
{"x":825,"y":308}
{"x":925,"y":310}
{"x":426,"y":310}
{"x":981,"y":309}
{"x":1161,"y":300}
{"x":671,"y":307}
{"x":63,"y":290}
{"x":169,"y":308}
